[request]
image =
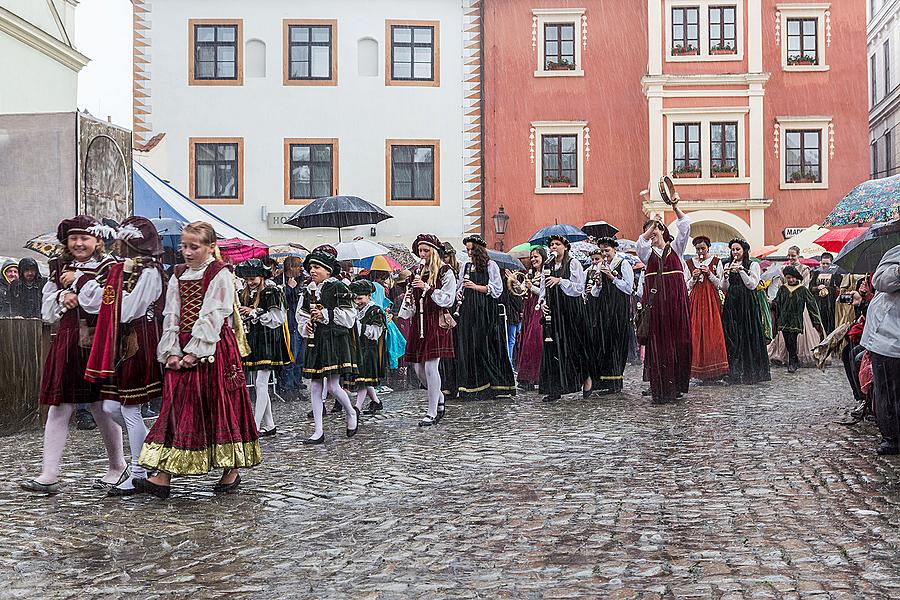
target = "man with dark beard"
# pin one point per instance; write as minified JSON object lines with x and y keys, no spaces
{"x":25,"y":292}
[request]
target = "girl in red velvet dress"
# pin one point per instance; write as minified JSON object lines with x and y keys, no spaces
{"x":710,"y":360}
{"x":206,"y":421}
{"x":532,"y":344}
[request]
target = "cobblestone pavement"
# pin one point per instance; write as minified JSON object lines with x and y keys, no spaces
{"x":739,"y":492}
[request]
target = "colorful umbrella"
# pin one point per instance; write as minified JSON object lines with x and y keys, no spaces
{"x":571,"y":233}
{"x":871,"y":201}
{"x":238,"y":250}
{"x":584,"y":246}
{"x":282,"y":251}
{"x":45,"y":244}
{"x":402,"y":254}
{"x":836,"y":239}
{"x":378,"y":263}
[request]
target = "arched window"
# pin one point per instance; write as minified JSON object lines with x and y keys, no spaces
{"x":367,"y":57}
{"x":255,"y":58}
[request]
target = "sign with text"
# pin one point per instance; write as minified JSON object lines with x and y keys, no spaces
{"x":789,"y":232}
{"x":276,"y":220}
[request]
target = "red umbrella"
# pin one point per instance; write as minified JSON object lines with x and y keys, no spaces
{"x":809,"y":262}
{"x":238,"y":250}
{"x":835,"y":240}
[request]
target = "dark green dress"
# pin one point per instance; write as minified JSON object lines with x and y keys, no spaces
{"x":371,"y":356}
{"x":330,"y":351}
{"x":268,"y":347}
{"x":788,"y":307}
{"x":745,"y":341}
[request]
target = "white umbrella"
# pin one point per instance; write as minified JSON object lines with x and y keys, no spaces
{"x":805,"y":240}
{"x":358,"y":249}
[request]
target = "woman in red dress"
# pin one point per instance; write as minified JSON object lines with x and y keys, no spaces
{"x":206,"y":421}
{"x":431,"y":293}
{"x":710,"y":359}
{"x":667,"y":359}
{"x":532,"y":337}
{"x":70,"y":301}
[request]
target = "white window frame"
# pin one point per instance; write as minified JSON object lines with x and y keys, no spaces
{"x":546,"y":16}
{"x":542,"y":128}
{"x":813,"y":122}
{"x":804,"y":11}
{"x":706,"y":116}
{"x":704,"y":6}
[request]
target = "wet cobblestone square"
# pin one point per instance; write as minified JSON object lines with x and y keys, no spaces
{"x":735,"y":492}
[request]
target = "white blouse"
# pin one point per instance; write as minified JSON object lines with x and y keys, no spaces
{"x":345,"y":317}
{"x":715,"y":275}
{"x":217,"y":307}
{"x":89,"y":297}
{"x":573,"y":286}
{"x":624,"y":282}
{"x":495,"y":281}
{"x":442,"y":296}
{"x":750,"y":278}
{"x":272,"y":318}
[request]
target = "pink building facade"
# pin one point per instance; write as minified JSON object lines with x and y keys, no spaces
{"x":756,"y":108}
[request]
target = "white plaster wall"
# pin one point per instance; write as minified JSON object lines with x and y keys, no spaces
{"x":360,"y":111}
{"x":32,"y":82}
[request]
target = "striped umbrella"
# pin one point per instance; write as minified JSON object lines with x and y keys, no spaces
{"x":382,"y":262}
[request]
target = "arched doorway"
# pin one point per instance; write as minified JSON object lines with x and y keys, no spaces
{"x":715,"y":231}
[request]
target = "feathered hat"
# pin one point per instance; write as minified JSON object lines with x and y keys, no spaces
{"x":139,"y":234}
{"x":83,"y":224}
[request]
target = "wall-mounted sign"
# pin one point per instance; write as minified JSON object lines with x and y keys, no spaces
{"x":276,"y":220}
{"x":789,"y":232}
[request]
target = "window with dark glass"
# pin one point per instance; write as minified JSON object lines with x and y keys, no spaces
{"x":215,"y":52}
{"x":412,"y":52}
{"x":559,"y":160}
{"x":874,"y":170}
{"x":887,"y":67}
{"x":216,"y":170}
{"x":686,"y":160}
{"x":723,"y":148}
{"x":722,"y":29}
{"x":873,"y":73}
{"x":686,"y":30}
{"x":559,"y":46}
{"x":311,"y":171}
{"x":802,"y":41}
{"x":309,"y":52}
{"x":802,"y":156}
{"x":888,"y":153}
{"x":412,"y":172}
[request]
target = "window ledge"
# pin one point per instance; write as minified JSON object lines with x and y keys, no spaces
{"x":679,"y":181}
{"x":571,"y":190}
{"x":811,"y":68}
{"x":803,"y":186}
{"x":704,"y":58}
{"x":575,"y":73}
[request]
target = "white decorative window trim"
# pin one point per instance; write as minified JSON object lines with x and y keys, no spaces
{"x":705,"y":116}
{"x":704,"y":6}
{"x":826,"y":152}
{"x":543,"y":16}
{"x":819,"y":11}
{"x":542,"y":128}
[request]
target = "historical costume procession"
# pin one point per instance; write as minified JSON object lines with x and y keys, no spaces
{"x":709,"y":360}
{"x":741,"y":319}
{"x":483,"y":369}
{"x":611,"y":284}
{"x":264,"y":315}
{"x":370,"y":345}
{"x":123,"y":357}
{"x":426,"y":304}
{"x":565,"y":367}
{"x":206,"y":421}
{"x":325,"y":319}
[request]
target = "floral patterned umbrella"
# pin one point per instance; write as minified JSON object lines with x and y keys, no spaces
{"x":402,"y":254}
{"x":871,"y":201}
{"x":45,"y":244}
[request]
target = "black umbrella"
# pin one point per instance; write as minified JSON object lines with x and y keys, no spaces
{"x":504,"y":260}
{"x":337,"y":211}
{"x":862,"y":254}
{"x":600,"y":229}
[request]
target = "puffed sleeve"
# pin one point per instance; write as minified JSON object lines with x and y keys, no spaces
{"x":443,"y":296}
{"x":169,"y":345}
{"x":716,"y":275}
{"x":275,"y":316}
{"x":574,"y":285}
{"x":145,"y":292}
{"x":625,"y":283}
{"x":682,"y":234}
{"x":218,"y":305}
{"x":644,"y":249}
{"x":50,"y":304}
{"x":344,"y":316}
{"x":751,"y":277}
{"x":90,"y":296}
{"x":495,"y":281}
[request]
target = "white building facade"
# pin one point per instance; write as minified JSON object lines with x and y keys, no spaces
{"x":883,"y":41}
{"x":268,"y":105}
{"x":39,"y":64}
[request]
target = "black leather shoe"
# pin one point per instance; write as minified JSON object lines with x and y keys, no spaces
{"x":441,"y":411}
{"x":41,"y":488}
{"x":268,"y":432}
{"x":117,"y":492}
{"x":352,"y":432}
{"x":646,"y":393}
{"x":550,"y":398}
{"x":314,"y":441}
{"x":374,"y":407}
{"x":84,"y":421}
{"x":585,"y":394}
{"x":148,"y":487}
{"x":227,"y":488}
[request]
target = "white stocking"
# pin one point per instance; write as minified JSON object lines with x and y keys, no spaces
{"x":429,"y":374}
{"x":360,"y":398}
{"x":263,"y":412}
{"x":129,"y":417}
{"x":111,"y":433}
{"x":340,"y":394}
{"x":55,"y":432}
{"x":316,"y":393}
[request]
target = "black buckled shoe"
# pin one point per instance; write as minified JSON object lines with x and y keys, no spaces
{"x":117,"y":492}
{"x":268,"y":432}
{"x":148,"y":487}
{"x":374,"y":407}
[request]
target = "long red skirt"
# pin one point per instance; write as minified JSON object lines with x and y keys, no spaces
{"x":667,"y":359}
{"x":138,"y":378}
{"x":436,"y":343}
{"x":531,"y":342}
{"x":709,"y":358}
{"x":206,"y":421}
{"x":62,"y":380}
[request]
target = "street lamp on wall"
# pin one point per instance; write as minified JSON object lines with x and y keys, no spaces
{"x":501,"y":220}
